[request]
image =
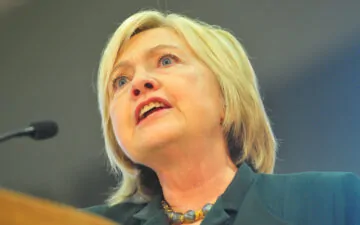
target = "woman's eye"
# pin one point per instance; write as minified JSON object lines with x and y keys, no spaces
{"x":167,"y":60}
{"x":119,"y":82}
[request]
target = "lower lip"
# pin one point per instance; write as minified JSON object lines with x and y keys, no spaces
{"x":153,"y":115}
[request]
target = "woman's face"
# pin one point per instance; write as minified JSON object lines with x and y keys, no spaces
{"x":161,"y":96}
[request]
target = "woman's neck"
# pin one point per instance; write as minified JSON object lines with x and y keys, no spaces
{"x":196,"y":179}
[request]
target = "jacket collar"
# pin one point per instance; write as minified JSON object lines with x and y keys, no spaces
{"x":240,"y":198}
{"x":235,"y":193}
{"x":152,"y":212}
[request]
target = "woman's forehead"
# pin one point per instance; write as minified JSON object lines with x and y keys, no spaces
{"x":149,"y":39}
{"x":148,"y":43}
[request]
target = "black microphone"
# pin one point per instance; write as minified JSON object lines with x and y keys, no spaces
{"x":38,"y":131}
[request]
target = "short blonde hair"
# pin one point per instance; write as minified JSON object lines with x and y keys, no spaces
{"x":246,"y":124}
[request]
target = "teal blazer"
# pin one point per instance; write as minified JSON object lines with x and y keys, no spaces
{"x":311,"y":198}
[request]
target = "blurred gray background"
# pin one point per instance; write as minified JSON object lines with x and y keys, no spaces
{"x":306,"y":55}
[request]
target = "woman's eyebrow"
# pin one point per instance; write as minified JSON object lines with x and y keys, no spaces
{"x":148,"y":53}
{"x":157,"y":48}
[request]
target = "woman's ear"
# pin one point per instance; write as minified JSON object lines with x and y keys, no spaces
{"x":222,"y":105}
{"x":223,"y":110}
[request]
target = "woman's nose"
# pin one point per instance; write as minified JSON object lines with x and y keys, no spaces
{"x":142,"y":85}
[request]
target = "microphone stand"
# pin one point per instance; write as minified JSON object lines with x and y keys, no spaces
{"x":18,"y":133}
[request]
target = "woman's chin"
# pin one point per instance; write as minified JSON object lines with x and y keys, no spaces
{"x":157,"y":136}
{"x":158,"y":127}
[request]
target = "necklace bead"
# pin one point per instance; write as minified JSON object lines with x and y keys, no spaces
{"x":207,"y":208}
{"x":189,"y":216}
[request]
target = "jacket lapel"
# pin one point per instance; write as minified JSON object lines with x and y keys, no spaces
{"x":242,"y":197}
{"x":254,"y":211}
{"x":152,"y":214}
{"x":218,"y":214}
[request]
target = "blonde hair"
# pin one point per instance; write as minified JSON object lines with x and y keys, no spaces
{"x":246,"y":124}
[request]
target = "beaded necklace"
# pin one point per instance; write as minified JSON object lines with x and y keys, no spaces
{"x":190,"y":216}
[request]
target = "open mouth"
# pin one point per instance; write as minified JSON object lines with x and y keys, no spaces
{"x":149,"y":107}
{"x":151,"y":111}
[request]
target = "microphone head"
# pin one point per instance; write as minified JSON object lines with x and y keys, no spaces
{"x":43,"y":130}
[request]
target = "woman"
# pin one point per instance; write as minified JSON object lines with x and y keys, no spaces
{"x":185,"y":126}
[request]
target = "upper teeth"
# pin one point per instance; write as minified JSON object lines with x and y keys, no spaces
{"x":150,"y":106}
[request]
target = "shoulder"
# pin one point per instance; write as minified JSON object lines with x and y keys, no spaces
{"x":310,"y":193}
{"x":309,"y":184}
{"x":310,"y":181}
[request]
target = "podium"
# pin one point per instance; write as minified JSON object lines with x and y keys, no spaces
{"x":21,"y":209}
